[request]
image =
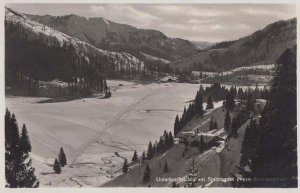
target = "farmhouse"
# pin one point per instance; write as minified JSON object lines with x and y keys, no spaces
{"x":193,"y":138}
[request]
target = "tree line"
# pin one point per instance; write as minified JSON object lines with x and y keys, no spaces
{"x":215,"y":93}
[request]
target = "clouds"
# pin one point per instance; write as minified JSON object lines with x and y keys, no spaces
{"x":124,"y":14}
{"x":207,"y":22}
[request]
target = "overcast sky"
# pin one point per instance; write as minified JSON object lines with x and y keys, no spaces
{"x":204,"y":22}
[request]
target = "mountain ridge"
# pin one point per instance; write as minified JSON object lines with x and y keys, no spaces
{"x":113,"y":36}
{"x":262,"y":46}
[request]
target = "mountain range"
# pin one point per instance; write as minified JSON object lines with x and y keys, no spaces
{"x":136,"y":46}
{"x":118,"y":37}
{"x":262,"y":47}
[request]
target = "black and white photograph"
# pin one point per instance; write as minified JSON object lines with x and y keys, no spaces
{"x":173,"y":95}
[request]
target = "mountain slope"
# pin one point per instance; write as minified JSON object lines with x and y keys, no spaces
{"x":109,"y":35}
{"x":203,"y":45}
{"x":263,"y":46}
{"x":36,"y":52}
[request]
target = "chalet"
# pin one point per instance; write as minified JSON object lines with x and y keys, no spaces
{"x":211,"y":138}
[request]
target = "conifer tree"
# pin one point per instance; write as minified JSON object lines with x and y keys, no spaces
{"x":250,"y":101}
{"x":166,"y":168}
{"x":161,"y":146}
{"x":154,"y":149}
{"x":150,"y":151}
{"x":125,"y":166}
{"x":202,"y":144}
{"x":229,"y":104}
{"x":249,"y":142}
{"x":176,"y":125}
{"x":192,"y":174}
{"x":147,"y":173}
{"x":14,"y":133}
{"x":18,"y":166}
{"x":62,"y":158}
{"x":24,"y":143}
{"x":199,"y":103}
{"x":56,"y":167}
{"x":234,"y":128}
{"x":25,"y":175}
{"x":134,"y":157}
{"x":7,"y":128}
{"x":167,"y":140}
{"x":210,"y":104}
{"x":171,"y":139}
{"x":143,"y":158}
{"x":227,"y":121}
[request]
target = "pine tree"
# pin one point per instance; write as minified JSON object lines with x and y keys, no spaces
{"x":143,"y":157}
{"x":227,"y":121}
{"x":150,"y":151}
{"x":24,"y":143}
{"x":7,"y":128}
{"x":166,"y":168}
{"x":147,"y":173}
{"x":176,"y":125}
{"x":14,"y":133}
{"x":199,"y":103}
{"x":62,"y":158}
{"x":171,"y":139}
{"x":154,"y":149}
{"x":250,"y":141}
{"x":56,"y":167}
{"x":229,"y":104}
{"x":18,"y":166}
{"x":161,"y":147}
{"x":192,"y":174}
{"x":25,"y":175}
{"x":234,"y":128}
{"x":134,"y":157}
{"x":202,"y":144}
{"x":125,"y":166}
{"x":250,"y":101}
{"x":210,"y":104}
{"x":167,"y":140}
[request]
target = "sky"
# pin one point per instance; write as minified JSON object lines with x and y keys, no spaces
{"x":197,"y":22}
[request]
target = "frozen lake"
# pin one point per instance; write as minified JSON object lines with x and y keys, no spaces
{"x":91,"y":130}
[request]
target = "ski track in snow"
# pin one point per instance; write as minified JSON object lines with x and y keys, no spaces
{"x":111,"y":123}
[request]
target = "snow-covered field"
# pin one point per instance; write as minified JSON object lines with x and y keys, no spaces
{"x":91,"y":130}
{"x":266,"y":67}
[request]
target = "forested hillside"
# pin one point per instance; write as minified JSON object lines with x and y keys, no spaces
{"x":263,"y":46}
{"x":270,"y":147}
{"x":40,"y":61}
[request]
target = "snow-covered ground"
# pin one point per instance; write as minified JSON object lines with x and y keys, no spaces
{"x":243,"y":68}
{"x":268,"y":67}
{"x":91,"y":130}
{"x":155,"y":58}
